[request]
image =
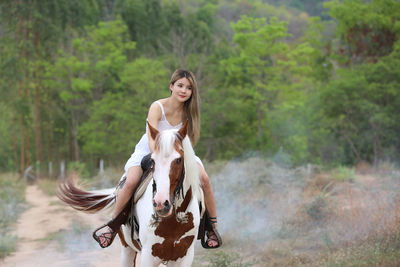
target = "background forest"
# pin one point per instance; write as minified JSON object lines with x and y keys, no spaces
{"x":305,"y":81}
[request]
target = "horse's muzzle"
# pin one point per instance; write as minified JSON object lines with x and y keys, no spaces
{"x":163,"y":210}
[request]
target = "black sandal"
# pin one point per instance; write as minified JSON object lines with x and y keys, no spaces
{"x":212,"y":234}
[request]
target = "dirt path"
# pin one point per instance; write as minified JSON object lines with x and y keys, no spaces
{"x":52,"y":234}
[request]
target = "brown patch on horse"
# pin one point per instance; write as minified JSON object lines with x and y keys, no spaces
{"x":122,"y":238}
{"x":176,"y":169}
{"x":174,"y":246}
{"x":186,"y":201}
{"x":137,"y":245}
{"x":123,"y":241}
{"x":183,"y":130}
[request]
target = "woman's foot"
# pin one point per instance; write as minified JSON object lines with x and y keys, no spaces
{"x":212,"y":240}
{"x":105,"y":237}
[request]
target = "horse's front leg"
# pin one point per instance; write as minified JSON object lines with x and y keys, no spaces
{"x":128,"y":257}
{"x":185,"y":261}
{"x":146,"y":259}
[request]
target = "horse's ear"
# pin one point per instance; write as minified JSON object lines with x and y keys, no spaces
{"x":183,"y":130}
{"x":153,"y":131}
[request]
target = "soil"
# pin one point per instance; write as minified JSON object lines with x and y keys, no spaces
{"x":52,"y":234}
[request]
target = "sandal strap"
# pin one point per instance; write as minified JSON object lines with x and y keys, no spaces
{"x":213,"y":220}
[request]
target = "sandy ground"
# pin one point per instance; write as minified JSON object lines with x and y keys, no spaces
{"x":52,"y":234}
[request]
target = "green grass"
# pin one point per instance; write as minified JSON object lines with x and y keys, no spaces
{"x":223,"y":258}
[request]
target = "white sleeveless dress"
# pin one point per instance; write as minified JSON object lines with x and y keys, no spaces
{"x":142,"y":148}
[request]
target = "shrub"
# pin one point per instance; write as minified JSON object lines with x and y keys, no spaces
{"x":8,"y":244}
{"x":79,"y":168}
{"x":343,"y":173}
{"x":317,"y":208}
{"x":12,"y":195}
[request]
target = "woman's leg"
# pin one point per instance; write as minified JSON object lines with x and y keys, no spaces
{"x":124,"y":194}
{"x":127,"y":189}
{"x":209,"y":200}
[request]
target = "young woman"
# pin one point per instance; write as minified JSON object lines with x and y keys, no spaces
{"x":167,"y":113}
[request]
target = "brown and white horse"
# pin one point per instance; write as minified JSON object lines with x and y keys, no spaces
{"x":168,"y":212}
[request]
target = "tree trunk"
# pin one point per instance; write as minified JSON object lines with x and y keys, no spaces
{"x":259,"y":125}
{"x":15,"y":146}
{"x":20,"y":95}
{"x":37,"y":122}
{"x":37,"y":97}
{"x":74,"y":133}
{"x":22,"y":145}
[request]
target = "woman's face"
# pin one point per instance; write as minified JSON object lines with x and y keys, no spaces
{"x":181,"y":90}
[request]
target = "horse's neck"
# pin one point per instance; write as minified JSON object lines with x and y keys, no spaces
{"x":182,"y":206}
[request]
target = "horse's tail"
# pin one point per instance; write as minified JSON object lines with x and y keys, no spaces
{"x":87,"y":201}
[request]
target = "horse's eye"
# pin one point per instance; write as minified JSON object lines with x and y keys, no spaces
{"x":178,"y":160}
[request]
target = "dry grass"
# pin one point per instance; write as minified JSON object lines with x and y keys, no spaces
{"x":342,"y":217}
{"x":341,"y":222}
{"x":48,"y":185}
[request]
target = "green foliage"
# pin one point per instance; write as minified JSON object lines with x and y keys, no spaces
{"x":79,"y":168}
{"x":117,"y":120}
{"x":12,"y":195}
{"x":362,"y":110}
{"x":77,"y":77}
{"x":343,"y":173}
{"x":6,"y":138}
{"x":368,"y":29}
{"x":8,"y":244}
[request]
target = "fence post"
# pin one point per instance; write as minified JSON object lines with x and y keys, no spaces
{"x":62,"y":170}
{"x":101,"y":166}
{"x":37,"y":169}
{"x":50,"y":169}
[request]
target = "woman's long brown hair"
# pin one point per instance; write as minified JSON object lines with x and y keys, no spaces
{"x":191,"y":107}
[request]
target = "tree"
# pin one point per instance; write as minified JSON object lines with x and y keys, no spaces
{"x":117,"y":120}
{"x":88,"y":68}
{"x":362,"y":105}
{"x":34,"y":27}
{"x":256,"y":68}
{"x":368,"y":30}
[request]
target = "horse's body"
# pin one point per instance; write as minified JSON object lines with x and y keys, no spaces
{"x":168,"y":212}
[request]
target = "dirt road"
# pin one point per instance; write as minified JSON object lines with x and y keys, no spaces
{"x":52,"y":234}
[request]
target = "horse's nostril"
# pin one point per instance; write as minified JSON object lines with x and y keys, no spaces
{"x":154,"y":204}
{"x":166,"y":203}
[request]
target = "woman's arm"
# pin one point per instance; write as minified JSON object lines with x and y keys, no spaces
{"x":153,"y":117}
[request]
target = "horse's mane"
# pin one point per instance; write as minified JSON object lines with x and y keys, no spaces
{"x":192,"y":177}
{"x":166,"y":144}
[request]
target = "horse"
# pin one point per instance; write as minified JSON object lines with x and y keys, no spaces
{"x":167,"y":214}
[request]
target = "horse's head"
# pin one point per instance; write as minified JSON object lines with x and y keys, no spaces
{"x":168,"y":157}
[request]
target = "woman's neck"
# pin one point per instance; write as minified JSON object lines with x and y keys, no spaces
{"x":174,"y":105}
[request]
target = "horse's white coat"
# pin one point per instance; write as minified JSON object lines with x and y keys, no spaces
{"x":144,"y":208}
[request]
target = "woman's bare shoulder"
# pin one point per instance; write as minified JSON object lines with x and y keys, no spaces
{"x":154,"y":112}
